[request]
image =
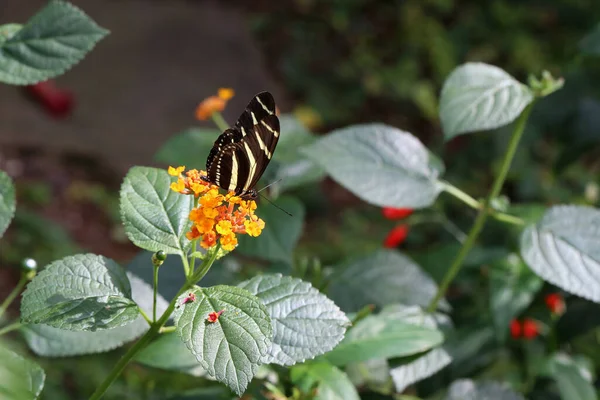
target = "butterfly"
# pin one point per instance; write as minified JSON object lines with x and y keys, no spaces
{"x":241,"y":154}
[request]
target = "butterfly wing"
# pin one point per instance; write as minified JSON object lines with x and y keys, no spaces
{"x":241,"y":154}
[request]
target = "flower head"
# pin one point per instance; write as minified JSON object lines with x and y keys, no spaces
{"x":217,"y":218}
{"x":396,"y":236}
{"x":214,"y":316}
{"x":530,"y":328}
{"x":555,"y":303}
{"x":396,"y":213}
{"x":214,"y":104}
{"x":515,"y":329}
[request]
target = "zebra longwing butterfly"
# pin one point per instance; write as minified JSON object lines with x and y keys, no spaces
{"x":241,"y":154}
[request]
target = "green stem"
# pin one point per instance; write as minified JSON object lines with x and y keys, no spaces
{"x":146,"y":317}
{"x":205,"y":267}
{"x":9,"y":328}
{"x":218,"y":119}
{"x":148,"y":336}
{"x":167,"y":329}
{"x":15,"y":292}
{"x":484,"y":210}
{"x":155,"y":292}
{"x":471,"y":202}
{"x":186,"y":265}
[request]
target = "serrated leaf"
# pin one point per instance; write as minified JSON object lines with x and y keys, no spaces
{"x":384,"y":277}
{"x":168,"y":352}
{"x":574,"y":383}
{"x":280,"y":236}
{"x":155,"y":217}
{"x":382,"y":165}
{"x":231,"y":348}
{"x":512,"y":288}
{"x":377,"y":337}
{"x":189,"y":148}
{"x":52,"y":41}
{"x":466,"y":389}
{"x":563,"y":249}
{"x":7,"y":201}
{"x":81,"y":292}
{"x":330,"y":383}
{"x":20,"y":378}
{"x":478,"y":96}
{"x":305,"y":322}
{"x":412,"y":369}
{"x":47,"y":341}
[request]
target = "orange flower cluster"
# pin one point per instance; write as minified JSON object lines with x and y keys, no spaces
{"x":217,"y":217}
{"x":213,"y":104}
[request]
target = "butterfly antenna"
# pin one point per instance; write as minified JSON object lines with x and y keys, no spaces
{"x":270,"y":184}
{"x":276,"y":206}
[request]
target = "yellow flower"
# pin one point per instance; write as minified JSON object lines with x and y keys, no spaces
{"x":229,"y":242}
{"x":210,"y":212}
{"x":206,"y":225}
{"x":213,"y":104}
{"x":225,"y":93}
{"x":224,"y":227}
{"x":254,"y":228}
{"x":178,"y":186}
{"x":176,"y":171}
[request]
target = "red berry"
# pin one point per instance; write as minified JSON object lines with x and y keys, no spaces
{"x":396,"y":213}
{"x":530,"y":328}
{"x":396,"y":236}
{"x":555,"y":303}
{"x":57,"y":102}
{"x":515,"y":329}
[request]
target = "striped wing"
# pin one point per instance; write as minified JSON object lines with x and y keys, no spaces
{"x":240,"y":155}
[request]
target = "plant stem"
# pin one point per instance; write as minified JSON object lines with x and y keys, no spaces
{"x":155,"y":286}
{"x":167,"y":329}
{"x":149,"y":335}
{"x":146,"y":317}
{"x":218,"y":119}
{"x":471,"y":202}
{"x":186,"y":265}
{"x":484,"y":210}
{"x":9,"y":328}
{"x":15,"y":292}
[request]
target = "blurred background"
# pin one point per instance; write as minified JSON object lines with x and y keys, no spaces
{"x":331,"y":63}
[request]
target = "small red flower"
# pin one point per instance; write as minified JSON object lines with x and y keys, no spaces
{"x":530,"y":328}
{"x":214,"y":316}
{"x":190,"y":298}
{"x":396,"y":236}
{"x":515,"y":329}
{"x":57,"y":102}
{"x":396,"y":213}
{"x":555,"y":303}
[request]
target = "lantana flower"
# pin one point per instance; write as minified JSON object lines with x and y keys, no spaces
{"x":213,"y":104}
{"x":217,"y":217}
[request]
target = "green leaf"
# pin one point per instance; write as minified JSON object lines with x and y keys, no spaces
{"x":330,"y":383}
{"x":155,"y":217}
{"x":412,"y":369}
{"x":382,"y":278}
{"x":512,"y":289}
{"x":231,"y":348}
{"x":563,"y":249}
{"x":8,"y":30}
{"x":466,"y":389}
{"x":305,"y":322}
{"x":79,"y":293}
{"x":478,"y":97}
{"x":382,"y":165}
{"x":280,"y":236}
{"x":168,"y":352}
{"x":20,"y":378}
{"x":7,"y":201}
{"x":590,"y":44}
{"x":189,"y":148}
{"x":52,"y":41}
{"x":574,"y":382}
{"x":47,"y":341}
{"x":378,"y":336}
